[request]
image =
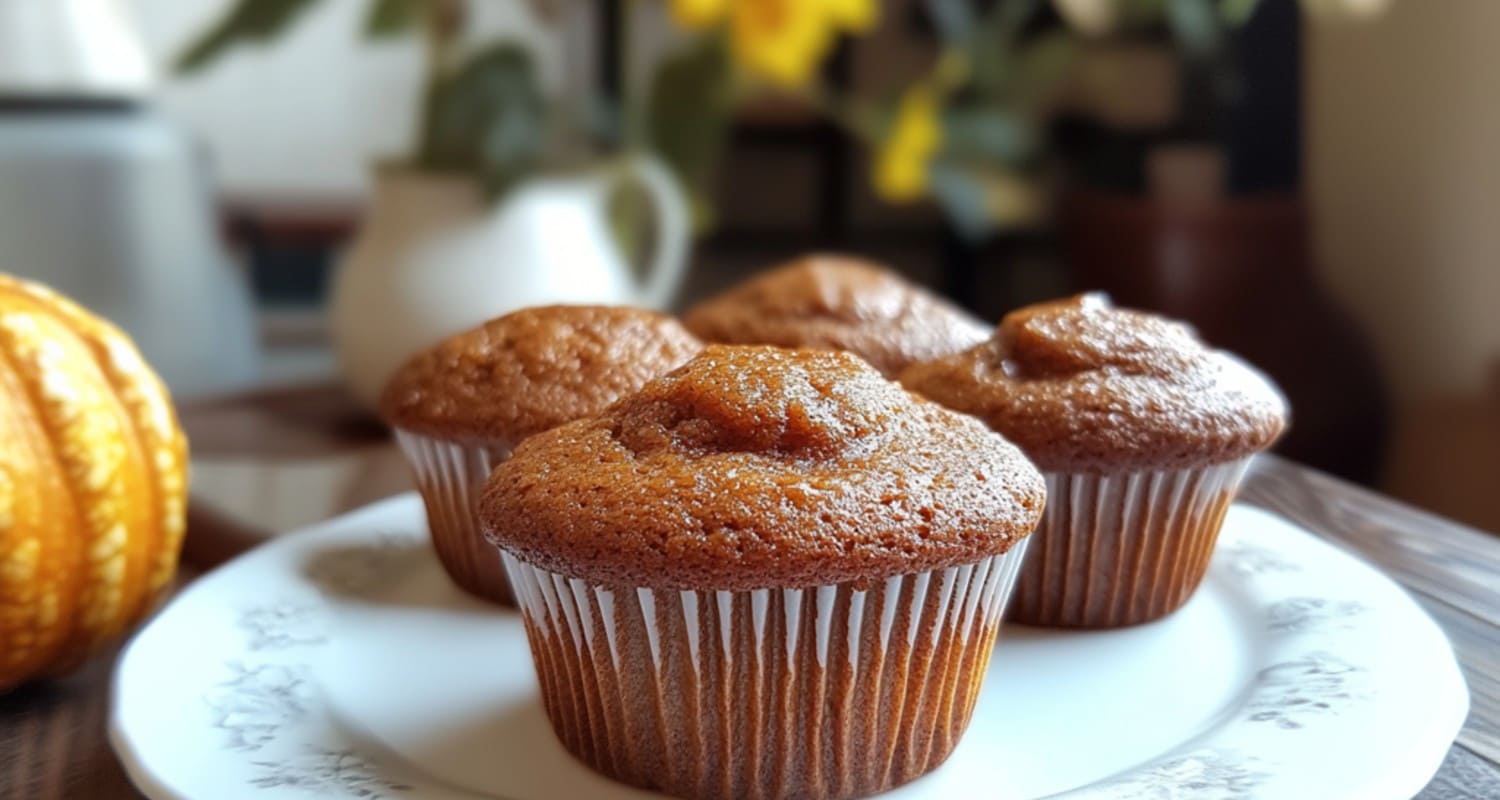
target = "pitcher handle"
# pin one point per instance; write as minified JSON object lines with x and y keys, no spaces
{"x":660,"y":282}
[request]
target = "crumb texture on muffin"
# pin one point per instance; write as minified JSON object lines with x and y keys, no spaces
{"x":532,"y":370}
{"x":757,"y":467}
{"x":1084,"y":386}
{"x":838,"y":303}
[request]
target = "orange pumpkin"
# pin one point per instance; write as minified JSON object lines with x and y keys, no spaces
{"x":93,"y":483}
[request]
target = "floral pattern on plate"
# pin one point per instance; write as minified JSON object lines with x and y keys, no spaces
{"x":255,"y":703}
{"x":1324,"y":631}
{"x":1198,"y":775}
{"x":329,"y":772}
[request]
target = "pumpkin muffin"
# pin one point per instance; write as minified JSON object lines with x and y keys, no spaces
{"x":460,"y":407}
{"x":770,"y":573}
{"x":1143,"y":433}
{"x":838,"y":303}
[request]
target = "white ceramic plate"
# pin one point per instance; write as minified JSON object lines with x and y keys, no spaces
{"x":338,"y":662}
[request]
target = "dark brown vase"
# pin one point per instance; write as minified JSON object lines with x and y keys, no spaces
{"x":1238,"y":268}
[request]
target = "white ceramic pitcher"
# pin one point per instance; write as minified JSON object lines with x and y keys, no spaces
{"x":434,"y":258}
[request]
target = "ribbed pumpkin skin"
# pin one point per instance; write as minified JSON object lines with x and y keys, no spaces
{"x":93,"y":483}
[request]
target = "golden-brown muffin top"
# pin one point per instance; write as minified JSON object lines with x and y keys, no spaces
{"x":758,"y":467}
{"x":838,"y":303}
{"x":531,"y":370}
{"x":1084,"y":386}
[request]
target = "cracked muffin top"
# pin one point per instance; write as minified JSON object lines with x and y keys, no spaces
{"x":760,"y":467}
{"x":838,"y":303}
{"x":531,"y":370}
{"x":1083,"y":386}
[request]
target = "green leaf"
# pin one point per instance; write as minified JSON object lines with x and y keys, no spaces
{"x":953,"y":19}
{"x":249,"y":21}
{"x":988,"y":133}
{"x":990,"y":69}
{"x":1007,"y":57}
{"x":991,"y":43}
{"x":979,"y":198}
{"x":1137,"y":14}
{"x":1195,"y":26}
{"x":391,"y":18}
{"x":688,"y":114}
{"x":1005,"y":20}
{"x":486,"y":119}
{"x":628,"y":207}
{"x":1235,"y":13}
{"x":603,"y":118}
{"x":961,"y":195}
{"x":1042,"y":67}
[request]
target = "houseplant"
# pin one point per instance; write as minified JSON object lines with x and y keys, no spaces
{"x":966,"y":132}
{"x":973,"y":133}
{"x":501,"y":202}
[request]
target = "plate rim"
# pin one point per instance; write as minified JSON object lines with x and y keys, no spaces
{"x":1423,"y":758}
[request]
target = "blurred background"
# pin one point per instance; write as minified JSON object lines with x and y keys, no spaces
{"x":1313,"y":184}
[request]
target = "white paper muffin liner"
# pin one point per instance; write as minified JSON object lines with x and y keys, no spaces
{"x":826,"y":692}
{"x":450,"y":478}
{"x":1115,"y":550}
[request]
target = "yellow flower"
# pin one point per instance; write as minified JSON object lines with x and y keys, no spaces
{"x":780,"y":40}
{"x":855,"y":16}
{"x":696,"y":14}
{"x":783,"y":41}
{"x":902,"y":158}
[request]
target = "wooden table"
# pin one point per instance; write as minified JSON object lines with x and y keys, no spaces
{"x":52,"y":736}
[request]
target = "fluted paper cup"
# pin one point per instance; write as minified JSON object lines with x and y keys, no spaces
{"x":450,"y":478}
{"x":1116,"y":550}
{"x":827,"y":692}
